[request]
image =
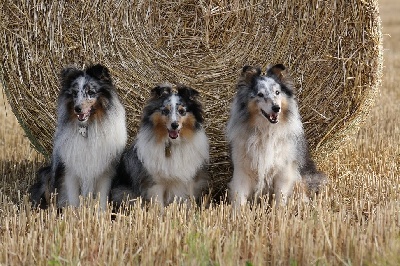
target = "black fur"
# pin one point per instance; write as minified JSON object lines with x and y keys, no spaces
{"x":38,"y":191}
{"x":160,"y":93}
{"x":131,"y":178}
{"x":189,"y":97}
{"x":98,"y":72}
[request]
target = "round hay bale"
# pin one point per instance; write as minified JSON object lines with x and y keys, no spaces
{"x":332,"y":49}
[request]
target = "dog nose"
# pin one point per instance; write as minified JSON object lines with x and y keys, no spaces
{"x":276,"y":108}
{"x":174,"y":125}
{"x":77,"y":109}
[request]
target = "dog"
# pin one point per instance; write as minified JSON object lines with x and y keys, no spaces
{"x":169,"y":157}
{"x":89,"y":140}
{"x":268,"y":147}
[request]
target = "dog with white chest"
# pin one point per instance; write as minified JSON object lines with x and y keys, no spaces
{"x":169,"y":157}
{"x":269,"y":150}
{"x":89,"y":140}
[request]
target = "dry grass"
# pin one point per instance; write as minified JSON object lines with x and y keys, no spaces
{"x":356,"y":220}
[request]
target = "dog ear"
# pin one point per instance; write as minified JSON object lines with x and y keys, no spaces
{"x":68,"y":74}
{"x":276,"y":70}
{"x":160,"y":90}
{"x":187,"y":92}
{"x":99,"y":72}
{"x":249,"y":72}
{"x":287,"y":83}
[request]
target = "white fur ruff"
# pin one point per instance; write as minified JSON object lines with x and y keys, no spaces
{"x":174,"y":176}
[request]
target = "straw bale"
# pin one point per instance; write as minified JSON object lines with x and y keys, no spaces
{"x":332,"y":49}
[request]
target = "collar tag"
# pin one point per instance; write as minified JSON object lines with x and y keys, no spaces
{"x":168,"y":149}
{"x":83,"y":131}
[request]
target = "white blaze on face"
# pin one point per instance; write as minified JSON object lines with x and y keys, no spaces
{"x":173,"y":121}
{"x":174,"y":108}
{"x":80,"y":91}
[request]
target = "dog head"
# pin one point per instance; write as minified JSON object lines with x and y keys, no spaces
{"x":174,"y":114}
{"x":268,"y":93}
{"x":85,"y":92}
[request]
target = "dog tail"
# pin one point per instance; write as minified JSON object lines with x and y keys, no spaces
{"x":40,"y":191}
{"x":313,"y":179}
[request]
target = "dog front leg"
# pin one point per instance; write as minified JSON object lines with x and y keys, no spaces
{"x":240,"y":188}
{"x":284,"y":183}
{"x":103,"y":187}
{"x":72,"y":188}
{"x":157,"y":193}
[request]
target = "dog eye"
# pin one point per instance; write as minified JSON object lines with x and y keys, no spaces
{"x":277,"y":92}
{"x":165,"y":111}
{"x":91,"y":93}
{"x":182,"y":112}
{"x":260,"y":94}
{"x":74,"y":94}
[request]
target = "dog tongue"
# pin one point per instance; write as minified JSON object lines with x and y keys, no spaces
{"x":173,"y":134}
{"x":81,"y":117}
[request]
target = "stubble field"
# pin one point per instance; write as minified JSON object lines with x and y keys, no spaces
{"x":356,"y":220}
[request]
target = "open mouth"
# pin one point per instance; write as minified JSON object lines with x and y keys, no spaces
{"x":273,"y":118}
{"x":83,"y":116}
{"x":173,"y":134}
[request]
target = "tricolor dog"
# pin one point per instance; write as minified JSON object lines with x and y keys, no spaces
{"x":169,"y":157}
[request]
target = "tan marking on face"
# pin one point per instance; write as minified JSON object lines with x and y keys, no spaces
{"x":254,"y":111}
{"x":160,"y":126}
{"x":180,"y":107}
{"x":284,"y":110}
{"x":86,"y":105}
{"x":99,"y":111}
{"x":188,"y":126}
